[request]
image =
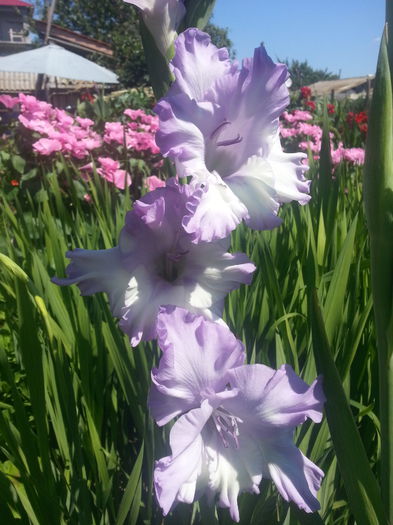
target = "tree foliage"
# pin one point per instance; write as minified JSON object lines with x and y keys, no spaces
{"x":302,"y":74}
{"x":220,"y":38}
{"x":117,"y":23}
{"x":114,"y":22}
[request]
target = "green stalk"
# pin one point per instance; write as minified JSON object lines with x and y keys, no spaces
{"x":378,"y":197}
{"x":389,"y":21}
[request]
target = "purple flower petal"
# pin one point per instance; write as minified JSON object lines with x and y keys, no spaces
{"x":219,"y":119}
{"x":274,"y":398}
{"x":158,"y":262}
{"x":175,"y":476}
{"x":162,"y":17}
{"x":196,"y":356}
{"x":197,"y":64}
{"x":295,"y":476}
{"x":215,"y":213}
{"x":98,"y":271}
{"x":244,"y":428}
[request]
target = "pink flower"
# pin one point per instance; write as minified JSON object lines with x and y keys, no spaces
{"x":354,"y":155}
{"x":288,"y":132}
{"x":8,"y":101}
{"x":110,"y":171}
{"x":47,"y":146}
{"x":33,"y":105}
{"x":114,"y":132}
{"x":91,"y":143}
{"x":64,"y":120}
{"x":39,"y":125}
{"x":134,"y":113}
{"x":297,"y":115}
{"x":84,"y":122}
{"x":154,"y":182}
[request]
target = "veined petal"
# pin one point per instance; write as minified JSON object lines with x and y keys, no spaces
{"x":274,"y":398}
{"x":232,"y":470}
{"x":98,"y":271}
{"x":158,"y":263}
{"x":226,"y":122}
{"x":295,"y":476}
{"x":196,"y":357}
{"x":254,"y":185}
{"x":262,"y":184}
{"x":183,"y":123}
{"x":175,"y":476}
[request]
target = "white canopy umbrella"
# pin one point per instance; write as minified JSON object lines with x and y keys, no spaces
{"x":54,"y":60}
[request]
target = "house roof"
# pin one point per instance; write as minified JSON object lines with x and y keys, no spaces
{"x":14,"y":3}
{"x":341,"y":85}
{"x":66,"y":37}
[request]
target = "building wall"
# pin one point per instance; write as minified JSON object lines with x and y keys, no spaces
{"x":11,"y":18}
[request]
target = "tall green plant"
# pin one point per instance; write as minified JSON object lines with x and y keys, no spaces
{"x":378,"y":196}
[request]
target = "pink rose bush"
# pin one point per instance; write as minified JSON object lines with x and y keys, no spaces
{"x":298,"y":128}
{"x":49,"y":131}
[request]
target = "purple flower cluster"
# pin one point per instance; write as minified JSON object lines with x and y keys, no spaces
{"x":169,"y":275}
{"x":236,"y":421}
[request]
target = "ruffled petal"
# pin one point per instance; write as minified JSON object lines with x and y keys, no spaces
{"x":289,"y":169}
{"x":215,"y":212}
{"x":158,"y":262}
{"x":197,"y":355}
{"x":295,"y":476}
{"x":197,"y":64}
{"x":269,"y":399}
{"x":175,"y":476}
{"x":225,"y":122}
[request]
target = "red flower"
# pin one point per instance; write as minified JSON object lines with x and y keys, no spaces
{"x":361,"y":117}
{"x":311,"y":105}
{"x":331,"y":109}
{"x":14,"y":182}
{"x":363,"y":128}
{"x":350,"y":118}
{"x":305,"y":92}
{"x":87,"y":97}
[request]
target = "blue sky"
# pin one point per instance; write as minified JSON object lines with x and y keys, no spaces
{"x":341,"y":36}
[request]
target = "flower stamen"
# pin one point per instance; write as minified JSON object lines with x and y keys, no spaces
{"x":226,"y":426}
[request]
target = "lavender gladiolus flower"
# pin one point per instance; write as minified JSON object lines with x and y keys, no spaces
{"x":162,"y":17}
{"x":236,"y":421}
{"x":157,"y":262}
{"x":219,"y":124}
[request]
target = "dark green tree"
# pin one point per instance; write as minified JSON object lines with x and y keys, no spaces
{"x":117,"y":23}
{"x":220,"y":38}
{"x":114,"y":22}
{"x":302,"y":74}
